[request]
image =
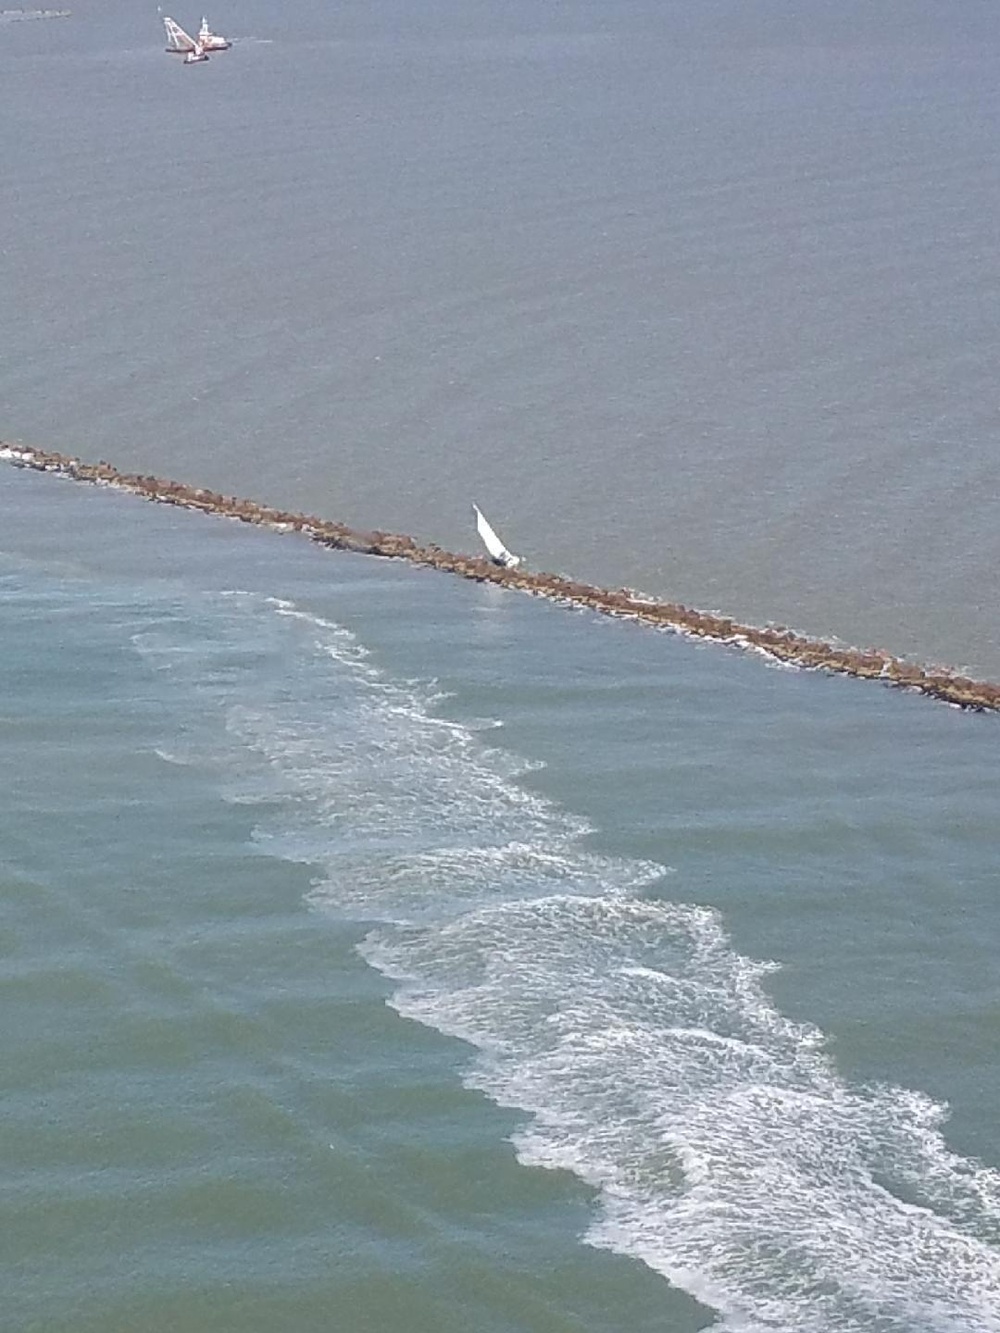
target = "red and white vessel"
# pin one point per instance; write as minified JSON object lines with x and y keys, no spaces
{"x":193,"y":49}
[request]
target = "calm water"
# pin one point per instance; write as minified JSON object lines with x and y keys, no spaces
{"x":392,"y":955}
{"x":695,"y":295}
{"x":267,"y":806}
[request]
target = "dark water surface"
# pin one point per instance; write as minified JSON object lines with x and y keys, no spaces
{"x":696,"y":297}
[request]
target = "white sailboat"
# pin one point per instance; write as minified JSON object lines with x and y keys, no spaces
{"x":498,"y":552}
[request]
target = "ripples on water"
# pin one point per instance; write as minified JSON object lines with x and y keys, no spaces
{"x":693,"y":295}
{"x":728,"y":1153}
{"x":181,"y":691}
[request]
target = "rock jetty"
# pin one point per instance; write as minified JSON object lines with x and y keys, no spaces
{"x":779,"y":643}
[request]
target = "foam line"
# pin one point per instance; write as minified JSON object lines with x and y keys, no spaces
{"x":644,"y":1053}
{"x":727,"y":1152}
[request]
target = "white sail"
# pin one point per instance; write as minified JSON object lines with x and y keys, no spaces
{"x":498,"y":552}
{"x":177,"y":38}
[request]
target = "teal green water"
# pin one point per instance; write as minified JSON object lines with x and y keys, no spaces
{"x":381,"y":952}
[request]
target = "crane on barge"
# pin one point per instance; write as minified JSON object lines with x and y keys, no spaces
{"x":194,"y":49}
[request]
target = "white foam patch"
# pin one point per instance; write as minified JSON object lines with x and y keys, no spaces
{"x":402,"y":810}
{"x":728,"y":1153}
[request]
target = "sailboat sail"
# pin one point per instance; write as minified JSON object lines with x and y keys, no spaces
{"x":492,"y":542}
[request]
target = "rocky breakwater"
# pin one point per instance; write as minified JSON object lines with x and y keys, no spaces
{"x":779,"y":643}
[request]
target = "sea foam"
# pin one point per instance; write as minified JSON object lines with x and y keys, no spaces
{"x":725,"y":1149}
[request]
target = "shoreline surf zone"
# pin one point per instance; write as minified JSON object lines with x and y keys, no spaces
{"x":776,"y":642}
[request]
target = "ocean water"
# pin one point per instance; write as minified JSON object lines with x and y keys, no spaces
{"x":698,"y":296}
{"x":383,"y":952}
